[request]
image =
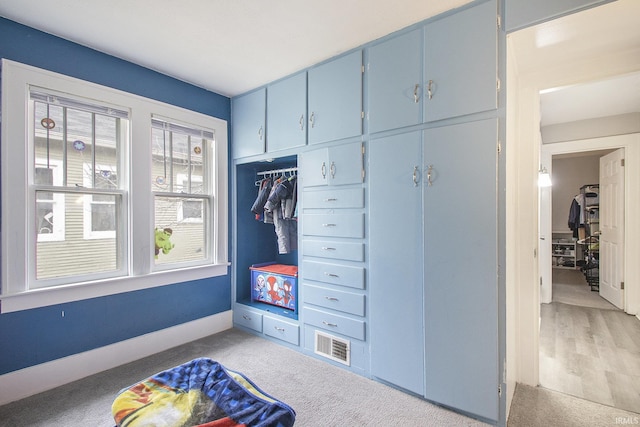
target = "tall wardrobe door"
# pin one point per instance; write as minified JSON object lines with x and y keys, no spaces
{"x":395,"y":248}
{"x":460,"y":259}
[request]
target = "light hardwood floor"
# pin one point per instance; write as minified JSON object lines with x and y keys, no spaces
{"x":588,"y":352}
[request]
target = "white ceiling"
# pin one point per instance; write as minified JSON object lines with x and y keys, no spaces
{"x":595,"y":33}
{"x":226,"y":46}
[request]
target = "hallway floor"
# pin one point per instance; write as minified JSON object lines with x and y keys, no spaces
{"x":588,"y":352}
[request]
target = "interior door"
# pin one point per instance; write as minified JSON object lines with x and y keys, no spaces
{"x":460,"y":266}
{"x":612,"y":227}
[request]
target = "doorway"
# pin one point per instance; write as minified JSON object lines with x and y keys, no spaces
{"x":571,"y":50}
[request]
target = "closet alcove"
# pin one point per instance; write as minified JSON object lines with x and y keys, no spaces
{"x":256,"y":241}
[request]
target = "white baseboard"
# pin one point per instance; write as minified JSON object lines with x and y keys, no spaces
{"x":36,"y":379}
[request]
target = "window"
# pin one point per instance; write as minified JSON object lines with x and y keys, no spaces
{"x":94,"y":219}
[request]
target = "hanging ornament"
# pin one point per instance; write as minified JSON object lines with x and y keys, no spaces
{"x":160,"y":180}
{"x":197,"y":150}
{"x":78,"y":145}
{"x":48,"y":123}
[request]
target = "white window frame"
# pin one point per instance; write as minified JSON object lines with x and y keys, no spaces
{"x":58,"y":233}
{"x":16,"y":293}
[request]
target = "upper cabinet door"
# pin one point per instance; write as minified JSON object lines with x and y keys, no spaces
{"x":460,"y":63}
{"x":248,"y":118}
{"x":335,"y":99}
{"x":287,"y":113}
{"x":395,"y":82}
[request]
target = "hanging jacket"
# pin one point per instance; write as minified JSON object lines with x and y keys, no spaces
{"x":263,"y":195}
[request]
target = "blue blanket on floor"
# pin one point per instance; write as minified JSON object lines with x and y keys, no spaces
{"x":199,"y":393}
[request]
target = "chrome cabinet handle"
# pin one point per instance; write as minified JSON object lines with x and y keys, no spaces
{"x":279,"y":329}
{"x":333,"y":325}
{"x":302,"y":122}
{"x":328,"y":225}
{"x":326,"y":248}
{"x":332,"y":168}
{"x":415,"y":93}
{"x":429,"y":175}
{"x":323,"y":170}
{"x":331,"y":200}
{"x":245,"y":317}
{"x":429,"y":89}
{"x":331,"y":298}
{"x":415,"y":176}
{"x":260,"y":132}
{"x":330,"y":274}
{"x":312,"y":119}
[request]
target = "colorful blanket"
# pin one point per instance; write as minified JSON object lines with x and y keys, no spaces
{"x":199,"y":393}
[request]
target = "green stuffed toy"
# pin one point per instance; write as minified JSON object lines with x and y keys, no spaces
{"x":163,"y":241}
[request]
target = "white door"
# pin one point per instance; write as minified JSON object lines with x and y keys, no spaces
{"x":612,"y":227}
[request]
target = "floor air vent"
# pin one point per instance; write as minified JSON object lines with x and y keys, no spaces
{"x":333,"y":348}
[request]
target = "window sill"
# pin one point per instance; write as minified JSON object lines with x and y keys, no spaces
{"x":63,"y":294}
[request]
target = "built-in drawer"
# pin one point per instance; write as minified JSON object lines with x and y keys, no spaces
{"x":336,"y":274}
{"x":248,"y":318}
{"x":333,"y":225}
{"x":280,"y":329}
{"x":349,"y":251}
{"x":333,"y":322}
{"x":338,"y":199}
{"x":348,"y":302}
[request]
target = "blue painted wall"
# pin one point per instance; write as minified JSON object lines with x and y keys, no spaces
{"x":35,"y":336}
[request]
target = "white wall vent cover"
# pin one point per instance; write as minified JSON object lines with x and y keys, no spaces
{"x":333,"y":348}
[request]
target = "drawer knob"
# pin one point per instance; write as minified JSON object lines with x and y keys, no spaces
{"x":333,"y":325}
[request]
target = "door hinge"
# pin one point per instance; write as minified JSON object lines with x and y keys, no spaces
{"x":622,"y":162}
{"x":500,"y":390}
{"x":362,"y":114}
{"x":499,"y":22}
{"x":622,"y":285}
{"x":362,"y":69}
{"x":498,"y":84}
{"x":499,"y":147}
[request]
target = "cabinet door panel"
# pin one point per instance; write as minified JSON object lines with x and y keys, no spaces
{"x":287,"y":113}
{"x":395,"y":82}
{"x":396,"y":283}
{"x":249,"y":133}
{"x":314,"y":168}
{"x":248,"y":318}
{"x":335,"y":99}
{"x":461,"y":63}
{"x":345,"y":164}
{"x":460,"y":259}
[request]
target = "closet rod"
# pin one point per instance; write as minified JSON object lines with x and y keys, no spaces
{"x":277,"y":171}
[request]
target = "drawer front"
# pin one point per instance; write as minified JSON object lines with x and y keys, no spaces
{"x":247,"y":318}
{"x":333,"y":225}
{"x":330,"y":199}
{"x":333,"y":322}
{"x":334,"y":250}
{"x":336,"y":274}
{"x":280,"y":329}
{"x":348,"y":302}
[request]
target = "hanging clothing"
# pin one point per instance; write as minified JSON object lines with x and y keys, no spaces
{"x":263,"y":194}
{"x":279,"y":209}
{"x":575,"y":212}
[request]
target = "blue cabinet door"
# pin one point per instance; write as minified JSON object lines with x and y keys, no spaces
{"x":337,"y":165}
{"x":287,"y":113}
{"x":335,"y":99}
{"x":394,"y":71}
{"x":460,"y":63}
{"x":395,"y":250}
{"x":460,"y":262}
{"x":314,"y":168}
{"x":248,"y":124}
